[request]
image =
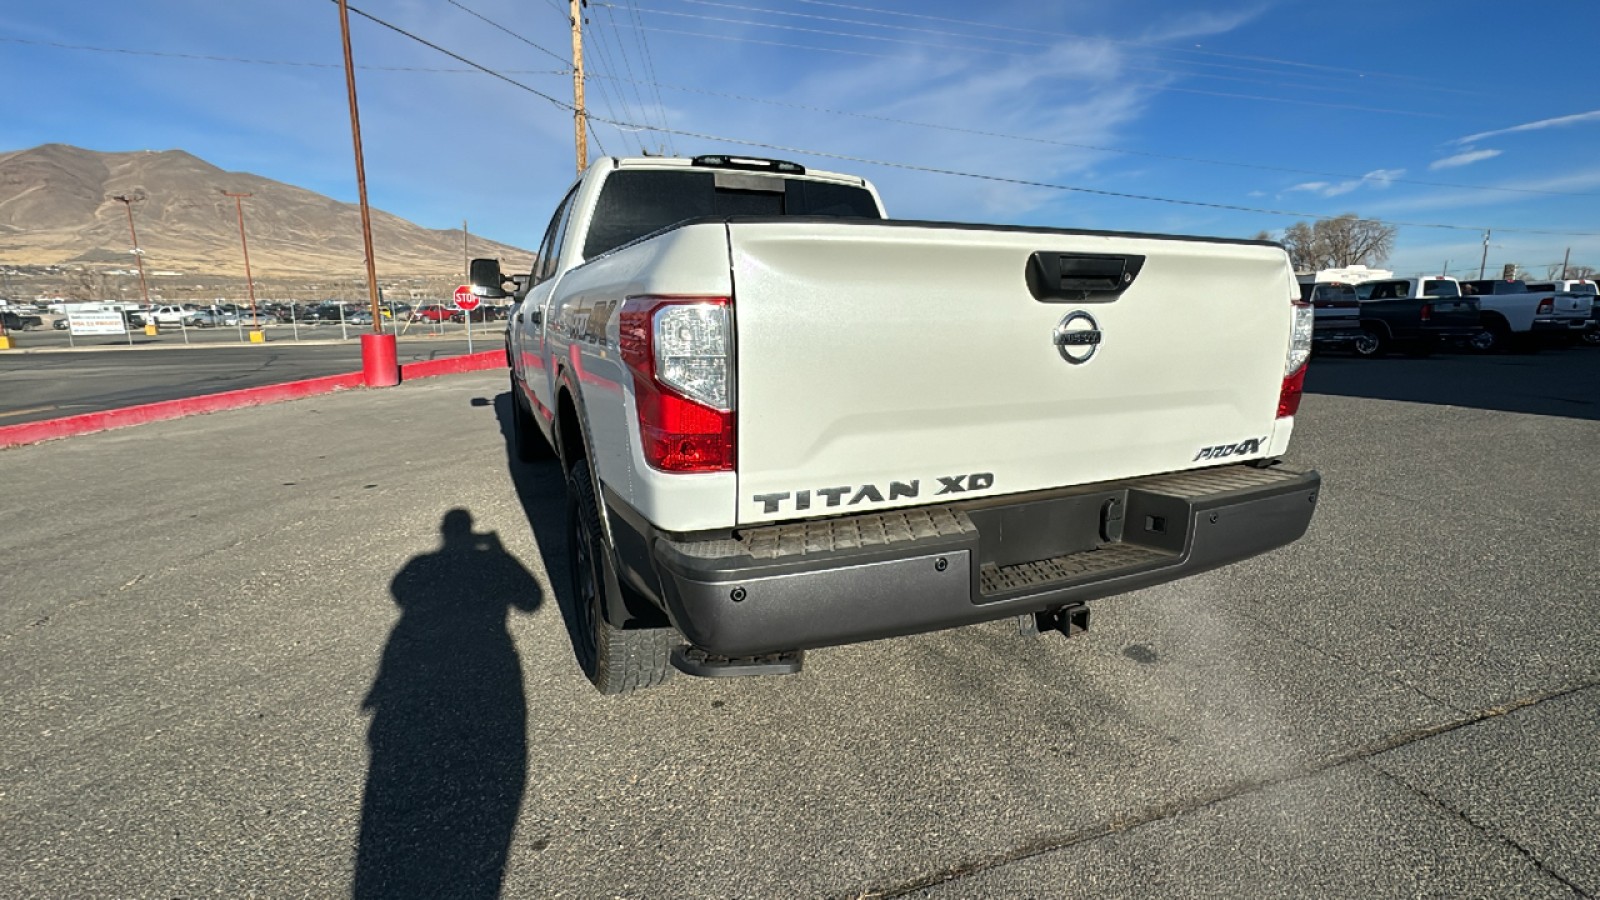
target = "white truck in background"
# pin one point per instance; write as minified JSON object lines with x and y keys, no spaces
{"x":1518,"y":317}
{"x":1581,"y":287}
{"x":786,"y":422}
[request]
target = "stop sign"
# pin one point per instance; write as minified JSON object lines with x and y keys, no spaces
{"x":465,"y":299}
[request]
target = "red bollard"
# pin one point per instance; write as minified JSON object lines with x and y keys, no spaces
{"x":378,"y":364}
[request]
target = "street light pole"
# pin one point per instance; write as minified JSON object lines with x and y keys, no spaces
{"x":238,"y":205}
{"x":127,"y":201}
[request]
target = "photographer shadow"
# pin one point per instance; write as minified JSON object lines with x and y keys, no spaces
{"x":448,"y":738}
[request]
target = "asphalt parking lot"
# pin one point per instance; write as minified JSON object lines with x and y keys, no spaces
{"x":50,"y":384}
{"x":317,"y":648}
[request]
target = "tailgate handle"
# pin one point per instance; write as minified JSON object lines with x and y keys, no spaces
{"x":1080,"y":277}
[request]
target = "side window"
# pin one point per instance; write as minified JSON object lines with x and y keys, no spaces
{"x":550,"y":247}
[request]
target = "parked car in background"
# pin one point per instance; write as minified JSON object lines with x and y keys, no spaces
{"x":1338,"y":317}
{"x":1517,"y":317}
{"x":326,"y":312}
{"x":1581,"y":287}
{"x":172,"y":314}
{"x":433,"y":312}
{"x":481,"y":314}
{"x":1419,"y":314}
{"x":211,"y":318}
{"x":15,"y":321}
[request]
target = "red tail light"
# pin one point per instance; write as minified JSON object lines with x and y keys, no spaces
{"x":678,"y":349}
{"x":1303,"y":320}
{"x":1427,"y":311}
{"x":1546,"y":307}
{"x":1289,"y":396}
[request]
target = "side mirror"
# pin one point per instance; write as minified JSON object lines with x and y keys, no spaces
{"x":486,"y":279}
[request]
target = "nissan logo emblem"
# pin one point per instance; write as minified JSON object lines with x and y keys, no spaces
{"x":1077,"y":337}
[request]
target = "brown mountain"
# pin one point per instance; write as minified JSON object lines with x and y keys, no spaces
{"x":56,"y":207}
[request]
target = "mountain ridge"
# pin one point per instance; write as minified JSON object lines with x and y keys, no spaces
{"x":57,"y":208}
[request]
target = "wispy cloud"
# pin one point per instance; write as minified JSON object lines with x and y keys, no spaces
{"x":1378,"y":178}
{"x":1183,"y":27}
{"x":1463,"y":159}
{"x":1581,"y":180}
{"x":1557,"y":122}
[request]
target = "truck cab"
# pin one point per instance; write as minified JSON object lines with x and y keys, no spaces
{"x":1419,"y":314}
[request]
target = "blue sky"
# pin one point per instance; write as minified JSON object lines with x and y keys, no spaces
{"x":1464,"y":113}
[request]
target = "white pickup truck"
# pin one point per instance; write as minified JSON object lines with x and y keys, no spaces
{"x":786,"y":422}
{"x":1517,"y":316}
{"x":1581,"y":288}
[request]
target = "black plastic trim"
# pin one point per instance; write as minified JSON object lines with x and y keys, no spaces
{"x":731,"y":604}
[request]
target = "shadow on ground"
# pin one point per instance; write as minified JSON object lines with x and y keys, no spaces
{"x":542,"y":492}
{"x":448,"y":738}
{"x":1553,"y":382}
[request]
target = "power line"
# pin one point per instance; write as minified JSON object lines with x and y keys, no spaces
{"x":867,"y":116}
{"x":1278,"y":82}
{"x":1145,"y":44}
{"x":202,"y":57}
{"x":477,"y":15}
{"x":650,"y":67}
{"x":999,"y":179}
{"x":1118,"y":150}
{"x":627,"y":61}
{"x":1022,"y":182}
{"x":459,"y":58}
{"x":952,"y":172}
{"x":603,"y":55}
{"x":948,"y":47}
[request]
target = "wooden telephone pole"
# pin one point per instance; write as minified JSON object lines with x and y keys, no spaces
{"x":238,"y":206}
{"x":580,"y":118}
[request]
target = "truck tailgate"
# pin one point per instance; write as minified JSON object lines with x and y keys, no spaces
{"x":895,"y":364}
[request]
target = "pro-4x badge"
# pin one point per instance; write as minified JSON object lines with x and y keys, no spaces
{"x":1253,"y":445}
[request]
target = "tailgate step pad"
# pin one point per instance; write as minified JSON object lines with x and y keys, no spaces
{"x":1084,"y":566}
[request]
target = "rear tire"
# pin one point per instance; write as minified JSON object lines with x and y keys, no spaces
{"x":1499,"y":336}
{"x":1592,"y":337}
{"x":616,"y":660}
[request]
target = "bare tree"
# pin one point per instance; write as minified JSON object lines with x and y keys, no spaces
{"x":1554,"y":271}
{"x":1346,"y":240}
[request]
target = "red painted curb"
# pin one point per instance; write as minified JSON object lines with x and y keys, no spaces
{"x":51,"y":429}
{"x":453,"y":365}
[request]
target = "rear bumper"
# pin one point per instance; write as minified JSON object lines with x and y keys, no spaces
{"x":1337,"y":336}
{"x":1559,"y":324}
{"x":838,"y":581}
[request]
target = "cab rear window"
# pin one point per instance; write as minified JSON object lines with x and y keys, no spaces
{"x":636,"y":203}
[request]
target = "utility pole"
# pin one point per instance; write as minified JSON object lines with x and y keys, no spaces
{"x":238,"y":205}
{"x":379,"y":366}
{"x":1484,"y":260}
{"x":580,"y":118}
{"x":361,"y":169}
{"x":466,"y":258}
{"x":127,"y":201}
{"x":1564,"y":260}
